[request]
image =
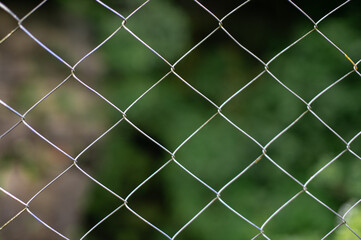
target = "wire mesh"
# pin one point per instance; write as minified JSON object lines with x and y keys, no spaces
{"x":21,"y":120}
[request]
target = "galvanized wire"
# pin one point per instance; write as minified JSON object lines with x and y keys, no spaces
{"x":217,"y":111}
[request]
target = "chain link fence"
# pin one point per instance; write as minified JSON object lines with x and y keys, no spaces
{"x":79,"y":84}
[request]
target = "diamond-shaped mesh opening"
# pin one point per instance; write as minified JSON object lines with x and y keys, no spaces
{"x":169,"y":38}
{"x":264,"y":102}
{"x":26,"y":225}
{"x":200,"y":22}
{"x":28,"y":163}
{"x":128,"y":69}
{"x":133,"y":158}
{"x":59,"y":205}
{"x":344,"y":232}
{"x":256,"y":195}
{"x":149,"y":201}
{"x":310,"y":66}
{"x":342,"y":116}
{"x":351,"y":212}
{"x":218,"y":67}
{"x":67,"y":31}
{"x":313,"y":145}
{"x":23,"y":80}
{"x":127,"y":225}
{"x":343,"y":29}
{"x":74,"y":110}
{"x":312,"y":222}
{"x":317,"y":10}
{"x":339,"y":182}
{"x":100,"y":214}
{"x":269,"y":21}
{"x":218,"y":152}
{"x":173,"y":107}
{"x":217,"y":222}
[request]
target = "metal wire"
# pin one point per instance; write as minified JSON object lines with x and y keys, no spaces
{"x":217,"y":112}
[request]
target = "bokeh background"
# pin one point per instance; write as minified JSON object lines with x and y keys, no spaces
{"x":123,"y":69}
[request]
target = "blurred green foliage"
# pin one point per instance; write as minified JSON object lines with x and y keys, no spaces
{"x":172,"y":111}
{"x":353,"y":220}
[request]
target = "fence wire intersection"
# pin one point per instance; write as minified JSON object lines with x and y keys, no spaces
{"x":217,"y":112}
